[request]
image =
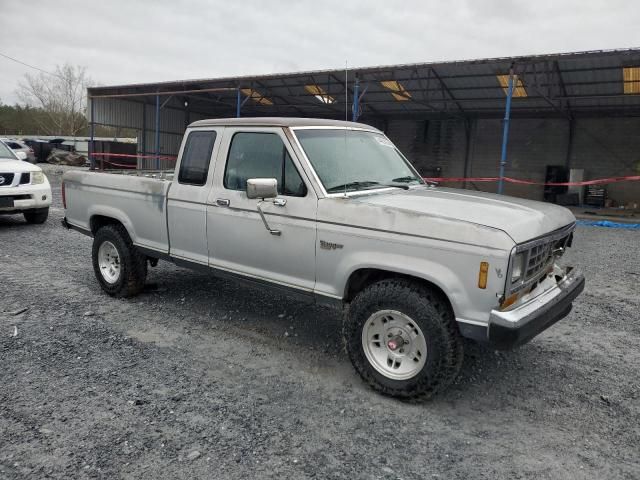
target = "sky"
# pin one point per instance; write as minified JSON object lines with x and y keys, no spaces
{"x":132,"y":41}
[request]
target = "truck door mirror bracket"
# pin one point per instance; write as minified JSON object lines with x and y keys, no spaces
{"x":272,"y":231}
{"x":264,"y":188}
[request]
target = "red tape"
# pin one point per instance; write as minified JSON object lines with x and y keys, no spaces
{"x":121,"y":165}
{"x":127,"y":155}
{"x":599,"y":181}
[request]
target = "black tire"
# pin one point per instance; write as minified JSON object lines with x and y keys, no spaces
{"x":36,"y":216}
{"x":431,"y":313}
{"x":133,"y":264}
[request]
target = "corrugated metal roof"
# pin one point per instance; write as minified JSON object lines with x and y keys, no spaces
{"x":559,"y":84}
{"x":279,"y":122}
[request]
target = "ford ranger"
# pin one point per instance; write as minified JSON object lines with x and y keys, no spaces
{"x":333,"y":212}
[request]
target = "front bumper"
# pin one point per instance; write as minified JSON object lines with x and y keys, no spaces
{"x":510,"y":328}
{"x":25,"y":197}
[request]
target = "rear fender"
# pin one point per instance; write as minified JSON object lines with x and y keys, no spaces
{"x":114,"y":213}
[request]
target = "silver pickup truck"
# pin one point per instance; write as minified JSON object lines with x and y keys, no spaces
{"x":333,"y":212}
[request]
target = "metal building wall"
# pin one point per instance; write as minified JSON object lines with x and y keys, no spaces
{"x":134,"y":114}
{"x":603,"y":147}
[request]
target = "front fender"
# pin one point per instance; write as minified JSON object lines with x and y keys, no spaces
{"x":453,"y":272}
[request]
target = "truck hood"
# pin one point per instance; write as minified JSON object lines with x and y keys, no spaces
{"x":519,"y":218}
{"x":17,"y":166}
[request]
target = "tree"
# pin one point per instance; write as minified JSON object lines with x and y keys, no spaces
{"x":61,"y":95}
{"x":19,"y":120}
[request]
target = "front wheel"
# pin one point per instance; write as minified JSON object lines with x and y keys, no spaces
{"x":402,"y":339}
{"x":36,"y":216}
{"x":119,"y":267}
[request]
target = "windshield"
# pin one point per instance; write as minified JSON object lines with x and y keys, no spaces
{"x":6,"y":153}
{"x":352,"y":160}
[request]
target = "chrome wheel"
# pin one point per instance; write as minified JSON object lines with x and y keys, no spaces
{"x":394,"y":344}
{"x":109,"y":262}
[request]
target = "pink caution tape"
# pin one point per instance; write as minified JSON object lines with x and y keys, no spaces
{"x":599,"y":181}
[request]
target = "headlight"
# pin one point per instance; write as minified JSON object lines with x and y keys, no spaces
{"x":37,"y":177}
{"x":518,"y":267}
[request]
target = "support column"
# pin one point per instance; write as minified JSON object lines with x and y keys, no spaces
{"x":157,"y":132}
{"x":355,"y":109}
{"x":572,"y":132}
{"x":92,"y":160}
{"x":143,"y":144}
{"x":505,"y":132}
{"x":469,"y":128}
{"x":238,"y":102}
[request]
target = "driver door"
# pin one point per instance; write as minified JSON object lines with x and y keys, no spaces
{"x":238,"y":240}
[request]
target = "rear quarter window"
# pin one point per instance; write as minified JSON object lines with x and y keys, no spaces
{"x":196,"y":158}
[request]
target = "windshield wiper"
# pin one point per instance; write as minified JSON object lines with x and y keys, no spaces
{"x":368,"y":183}
{"x":351,"y":186}
{"x":407,"y":179}
{"x":403,"y":186}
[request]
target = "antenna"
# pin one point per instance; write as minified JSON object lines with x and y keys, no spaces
{"x":346,"y":118}
{"x":346,"y":91}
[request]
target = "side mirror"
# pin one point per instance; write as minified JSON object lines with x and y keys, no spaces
{"x":262,"y":188}
{"x":21,"y":155}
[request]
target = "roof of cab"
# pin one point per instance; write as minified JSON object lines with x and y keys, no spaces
{"x":278,"y":122}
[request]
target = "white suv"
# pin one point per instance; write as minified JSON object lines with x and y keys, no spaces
{"x":24,"y":188}
{"x":19,"y":146}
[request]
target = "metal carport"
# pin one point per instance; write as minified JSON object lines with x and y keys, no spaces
{"x":568,"y":86}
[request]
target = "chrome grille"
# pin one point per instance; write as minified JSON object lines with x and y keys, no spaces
{"x":539,"y":255}
{"x":6,"y":179}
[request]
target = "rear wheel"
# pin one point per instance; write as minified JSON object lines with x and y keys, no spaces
{"x":119,"y":267}
{"x":402,"y":339}
{"x":36,"y":216}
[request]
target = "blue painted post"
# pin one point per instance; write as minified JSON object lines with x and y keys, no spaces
{"x":356,"y":100}
{"x":92,"y":160}
{"x":143,"y":147}
{"x":158,"y":132}
{"x":238,"y":102}
{"x":505,"y":133}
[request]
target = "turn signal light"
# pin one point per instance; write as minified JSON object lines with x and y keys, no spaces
{"x":484,"y":273}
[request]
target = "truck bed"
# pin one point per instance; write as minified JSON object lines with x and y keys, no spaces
{"x":137,"y":198}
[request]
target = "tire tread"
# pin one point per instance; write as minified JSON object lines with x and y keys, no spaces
{"x":447,"y":336}
{"x":133,"y":263}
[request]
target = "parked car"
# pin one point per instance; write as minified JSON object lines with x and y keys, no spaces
{"x":24,"y":188}
{"x":43,"y":148}
{"x":20,"y":146}
{"x":332,"y":211}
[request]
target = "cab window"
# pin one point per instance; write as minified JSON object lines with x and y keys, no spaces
{"x":196,"y":157}
{"x":262,"y":155}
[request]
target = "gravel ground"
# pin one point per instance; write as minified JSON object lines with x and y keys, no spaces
{"x":202,"y":378}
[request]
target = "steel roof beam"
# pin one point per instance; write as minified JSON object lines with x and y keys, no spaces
{"x":563,"y":87}
{"x":546,"y":97}
{"x":371,"y":91}
{"x":446,"y":89}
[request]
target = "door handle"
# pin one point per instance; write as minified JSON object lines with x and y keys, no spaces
{"x":280,"y":202}
{"x":223,"y":202}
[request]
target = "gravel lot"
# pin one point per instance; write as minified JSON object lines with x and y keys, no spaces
{"x":202,"y":378}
